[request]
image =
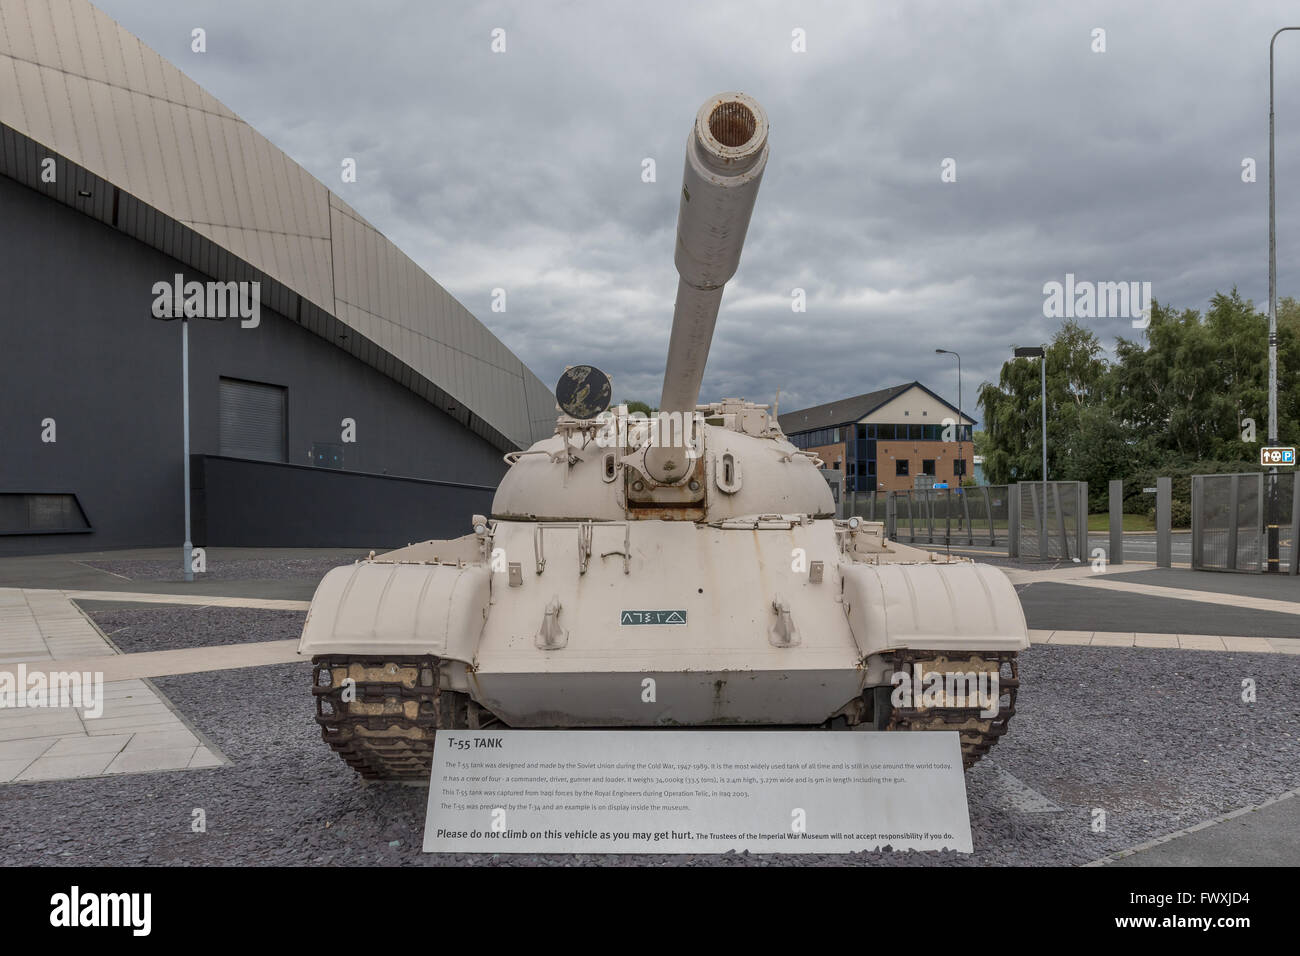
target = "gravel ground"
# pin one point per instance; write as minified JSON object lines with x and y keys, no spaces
{"x":169,"y":627}
{"x":218,"y":570}
{"x":1160,"y":739}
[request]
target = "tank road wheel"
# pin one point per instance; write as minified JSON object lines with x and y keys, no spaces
{"x":978,"y":734}
{"x":385,"y":729}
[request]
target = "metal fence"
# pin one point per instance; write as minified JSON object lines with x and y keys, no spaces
{"x":1230,"y":522}
{"x":870,"y":505}
{"x":952,"y":516}
{"x":1049,"y":521}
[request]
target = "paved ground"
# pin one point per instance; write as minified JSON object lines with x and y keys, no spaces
{"x":1254,"y":836}
{"x":1276,"y":587}
{"x":1145,"y":723}
{"x":1071,"y":606}
{"x":122,"y":724}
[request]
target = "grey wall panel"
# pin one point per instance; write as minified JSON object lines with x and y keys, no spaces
{"x":81,"y":347}
{"x":320,"y":508}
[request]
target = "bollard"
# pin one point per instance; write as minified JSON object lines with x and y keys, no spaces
{"x":1116,"y":555}
{"x":1164,"y":500}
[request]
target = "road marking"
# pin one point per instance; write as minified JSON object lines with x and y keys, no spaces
{"x":1185,"y":642}
{"x":153,"y":597}
{"x":190,"y":660}
{"x":1183,"y":594}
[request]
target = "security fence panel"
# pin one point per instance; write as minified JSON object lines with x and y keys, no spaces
{"x":868,"y":505}
{"x":1290,"y":534}
{"x":954,"y":517}
{"x":1228,"y":513}
{"x":1053,"y":520}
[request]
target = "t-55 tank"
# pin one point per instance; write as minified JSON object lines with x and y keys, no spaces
{"x":678,"y":571}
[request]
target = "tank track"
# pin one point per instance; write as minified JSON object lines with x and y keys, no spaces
{"x":978,"y":734}
{"x":387,"y":731}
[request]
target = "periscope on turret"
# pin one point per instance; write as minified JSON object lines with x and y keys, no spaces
{"x":683,"y":571}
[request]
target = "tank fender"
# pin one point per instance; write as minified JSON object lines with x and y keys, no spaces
{"x":399,"y":609}
{"x":964,"y":607}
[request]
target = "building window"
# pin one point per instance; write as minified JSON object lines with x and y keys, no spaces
{"x":28,"y":513}
{"x":927,"y":466}
{"x":900,"y":467}
{"x":959,"y":466}
{"x":836,"y":466}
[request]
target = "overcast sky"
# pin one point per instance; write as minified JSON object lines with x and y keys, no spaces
{"x":522,"y":170}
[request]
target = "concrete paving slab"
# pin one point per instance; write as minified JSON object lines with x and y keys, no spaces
{"x":1201,"y":642}
{"x":12,"y":768}
{"x":151,"y":761}
{"x":66,"y":768}
{"x":1071,"y":637}
{"x":1112,"y":639}
{"x":130,"y":725}
{"x":28,"y":749}
{"x":1259,"y":645}
{"x":161,"y":740}
{"x":205,"y":758}
{"x":72,"y":746}
{"x":1155,"y":640}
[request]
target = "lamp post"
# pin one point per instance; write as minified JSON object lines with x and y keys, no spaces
{"x":168,"y":309}
{"x":1040,"y":352}
{"x":1273,"y":553}
{"x":960,"y":426}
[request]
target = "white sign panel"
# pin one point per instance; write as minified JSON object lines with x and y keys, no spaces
{"x":695,"y":791}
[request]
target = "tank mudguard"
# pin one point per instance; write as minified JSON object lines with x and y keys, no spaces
{"x":406,"y":610}
{"x":938,"y":607}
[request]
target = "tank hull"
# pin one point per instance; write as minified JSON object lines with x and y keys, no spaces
{"x":774,"y":623}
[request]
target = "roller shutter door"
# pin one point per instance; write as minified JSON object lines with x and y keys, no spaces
{"x":252,"y":420}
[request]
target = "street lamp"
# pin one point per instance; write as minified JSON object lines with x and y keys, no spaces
{"x":960,"y":426}
{"x":1273,"y":554}
{"x":177,"y":311}
{"x":1040,"y":352}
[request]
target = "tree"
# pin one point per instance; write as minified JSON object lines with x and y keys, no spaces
{"x":1076,"y":380}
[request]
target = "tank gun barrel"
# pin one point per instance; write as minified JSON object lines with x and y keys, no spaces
{"x":726,"y":154}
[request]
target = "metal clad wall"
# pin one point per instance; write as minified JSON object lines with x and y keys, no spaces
{"x":252,"y":420}
{"x":85,"y":89}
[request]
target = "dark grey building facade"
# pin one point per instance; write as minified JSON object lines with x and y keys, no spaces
{"x":365,"y":408}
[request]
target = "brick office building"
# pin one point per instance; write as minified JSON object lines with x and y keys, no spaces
{"x":884,"y":440}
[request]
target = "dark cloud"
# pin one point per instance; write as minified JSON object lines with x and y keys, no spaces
{"x":522,"y":170}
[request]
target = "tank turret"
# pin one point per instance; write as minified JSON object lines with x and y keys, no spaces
{"x":689,"y":461}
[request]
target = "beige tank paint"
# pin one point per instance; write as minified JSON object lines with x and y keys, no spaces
{"x":763,"y":608}
{"x":774,"y":476}
{"x":401,"y":609}
{"x":727,"y":663}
